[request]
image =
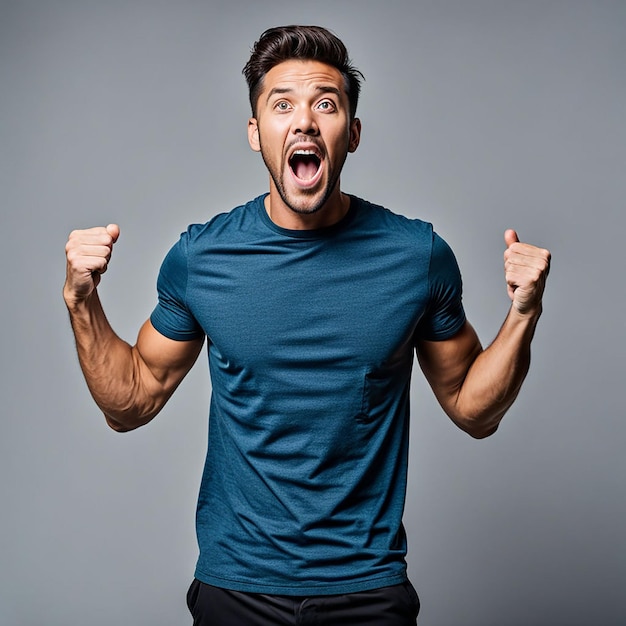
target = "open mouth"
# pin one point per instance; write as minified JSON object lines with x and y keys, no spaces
{"x":305,"y":164}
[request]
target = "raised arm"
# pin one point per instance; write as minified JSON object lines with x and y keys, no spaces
{"x":130,"y":384}
{"x":476,"y":387}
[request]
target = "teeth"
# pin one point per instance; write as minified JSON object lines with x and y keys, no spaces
{"x":305,"y":152}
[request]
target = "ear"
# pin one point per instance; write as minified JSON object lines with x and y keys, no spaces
{"x":355,"y":134}
{"x":253,"y":134}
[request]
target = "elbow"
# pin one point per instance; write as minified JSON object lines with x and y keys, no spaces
{"x":480,"y":422}
{"x":124,"y":417}
{"x":123,"y":426}
{"x":481,"y":432}
{"x":479,"y":427}
{"x":118,"y":427}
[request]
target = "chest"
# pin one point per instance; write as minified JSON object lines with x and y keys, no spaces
{"x":325,"y":303}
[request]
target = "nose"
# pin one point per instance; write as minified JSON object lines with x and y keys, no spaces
{"x":304,"y":122}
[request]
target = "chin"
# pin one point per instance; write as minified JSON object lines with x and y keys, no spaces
{"x":305,"y":204}
{"x":305,"y":210}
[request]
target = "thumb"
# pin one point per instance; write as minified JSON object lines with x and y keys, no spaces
{"x":114,"y":231}
{"x":510,"y":237}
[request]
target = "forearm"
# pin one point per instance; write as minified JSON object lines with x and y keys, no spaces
{"x":112,"y":368}
{"x":495,"y":377}
{"x":476,"y":387}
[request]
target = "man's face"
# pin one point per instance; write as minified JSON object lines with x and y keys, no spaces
{"x":304,"y":132}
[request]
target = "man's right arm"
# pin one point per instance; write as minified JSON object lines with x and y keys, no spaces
{"x":130,"y":384}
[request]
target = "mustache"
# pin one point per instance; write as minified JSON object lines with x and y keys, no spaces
{"x":311,"y":141}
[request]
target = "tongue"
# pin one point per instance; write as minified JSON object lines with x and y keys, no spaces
{"x":304,"y":167}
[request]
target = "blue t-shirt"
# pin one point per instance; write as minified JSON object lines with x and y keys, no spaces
{"x":311,"y":338}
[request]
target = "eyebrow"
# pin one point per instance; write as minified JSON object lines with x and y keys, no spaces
{"x":319,"y":89}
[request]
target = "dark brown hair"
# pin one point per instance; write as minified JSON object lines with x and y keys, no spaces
{"x":284,"y":43}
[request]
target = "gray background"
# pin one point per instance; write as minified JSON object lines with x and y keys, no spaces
{"x":478,"y":116}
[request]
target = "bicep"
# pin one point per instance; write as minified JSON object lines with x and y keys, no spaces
{"x":163,"y":361}
{"x":446,"y":363}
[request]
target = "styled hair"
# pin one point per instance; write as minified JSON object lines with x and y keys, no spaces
{"x":285,"y":43}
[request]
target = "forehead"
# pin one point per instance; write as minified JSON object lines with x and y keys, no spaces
{"x":297,"y":74}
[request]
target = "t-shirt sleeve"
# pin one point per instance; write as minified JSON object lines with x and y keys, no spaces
{"x":445,"y":314}
{"x":171,"y":316}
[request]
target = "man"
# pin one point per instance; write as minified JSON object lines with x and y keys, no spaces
{"x":314,"y":303}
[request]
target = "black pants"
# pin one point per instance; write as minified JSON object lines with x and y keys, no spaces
{"x":389,"y":606}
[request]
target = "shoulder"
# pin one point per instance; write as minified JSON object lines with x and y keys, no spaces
{"x":224,"y":225}
{"x":381,"y":215}
{"x":388,"y":223}
{"x":222,"y":228}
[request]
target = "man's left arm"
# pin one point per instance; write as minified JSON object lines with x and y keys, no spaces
{"x":476,"y":387}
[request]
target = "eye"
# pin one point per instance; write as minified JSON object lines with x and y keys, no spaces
{"x":282,"y":105}
{"x":326,"y":105}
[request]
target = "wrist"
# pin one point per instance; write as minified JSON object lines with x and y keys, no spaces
{"x":530,"y":315}
{"x":76,"y":302}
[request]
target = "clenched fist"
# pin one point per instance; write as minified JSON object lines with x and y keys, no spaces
{"x":88,"y":253}
{"x":526,"y":268}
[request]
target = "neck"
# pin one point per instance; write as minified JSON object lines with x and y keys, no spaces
{"x":333,"y":210}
